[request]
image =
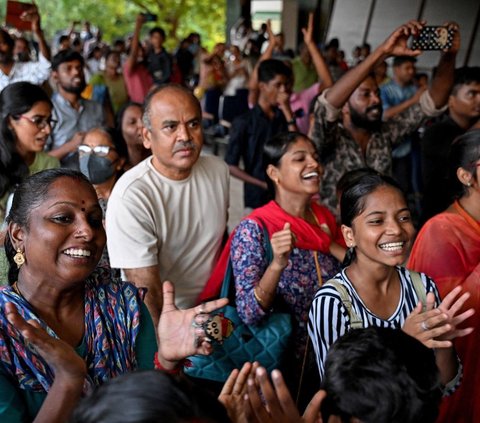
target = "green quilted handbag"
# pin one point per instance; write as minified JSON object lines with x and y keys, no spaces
{"x":266,"y":343}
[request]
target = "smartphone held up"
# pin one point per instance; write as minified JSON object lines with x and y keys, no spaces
{"x":149,"y":17}
{"x":433,"y":38}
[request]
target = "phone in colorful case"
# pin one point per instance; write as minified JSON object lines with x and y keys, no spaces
{"x":433,"y":38}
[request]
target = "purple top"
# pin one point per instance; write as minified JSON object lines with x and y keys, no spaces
{"x":297,"y":286}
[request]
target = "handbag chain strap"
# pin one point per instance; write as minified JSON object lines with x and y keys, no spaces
{"x":315,"y":253}
{"x":320,"y":283}
{"x":317,"y":267}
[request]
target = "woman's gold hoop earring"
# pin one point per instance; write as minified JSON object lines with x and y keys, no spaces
{"x":19,"y":258}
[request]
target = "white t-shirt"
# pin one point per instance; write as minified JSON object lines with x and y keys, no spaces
{"x":178,"y":225}
{"x":35,"y":72}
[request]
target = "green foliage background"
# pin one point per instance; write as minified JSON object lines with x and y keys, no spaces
{"x":116,"y":18}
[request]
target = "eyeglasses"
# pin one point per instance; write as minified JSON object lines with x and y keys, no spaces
{"x":98,"y":150}
{"x":40,"y":122}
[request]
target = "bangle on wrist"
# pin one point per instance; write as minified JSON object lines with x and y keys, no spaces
{"x":292,"y":121}
{"x":257,"y":297}
{"x":261,"y":301}
{"x":158,"y":366}
{"x":268,"y":294}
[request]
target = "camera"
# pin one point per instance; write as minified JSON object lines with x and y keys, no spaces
{"x":149,"y":17}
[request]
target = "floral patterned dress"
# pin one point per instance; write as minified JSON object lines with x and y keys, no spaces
{"x":297,"y":286}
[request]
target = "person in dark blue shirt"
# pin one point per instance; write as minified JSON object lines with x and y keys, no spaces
{"x":270,"y":116}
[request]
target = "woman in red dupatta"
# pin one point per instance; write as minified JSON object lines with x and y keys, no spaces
{"x":306,"y":244}
{"x":448,"y":250}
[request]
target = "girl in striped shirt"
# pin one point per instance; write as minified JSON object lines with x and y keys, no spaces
{"x":378,"y":230}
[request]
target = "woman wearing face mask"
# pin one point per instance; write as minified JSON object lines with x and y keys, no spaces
{"x":101,"y":158}
{"x":129,"y":127}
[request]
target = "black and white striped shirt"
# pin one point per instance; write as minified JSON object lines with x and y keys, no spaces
{"x":329,"y":319}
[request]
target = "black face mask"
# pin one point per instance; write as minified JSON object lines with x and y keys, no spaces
{"x":96,"y":169}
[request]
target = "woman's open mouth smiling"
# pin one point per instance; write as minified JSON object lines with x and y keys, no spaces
{"x":392,"y":246}
{"x":77,"y":252}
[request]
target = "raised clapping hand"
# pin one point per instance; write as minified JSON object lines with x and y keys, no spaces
{"x":308,"y":31}
{"x":178,"y":337}
{"x":66,"y":364}
{"x":278,"y":405}
{"x":283,"y":243}
{"x":271,"y":35}
{"x":436,"y":327}
{"x":233,"y":393}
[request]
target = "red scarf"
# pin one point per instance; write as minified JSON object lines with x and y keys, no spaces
{"x":273,"y":217}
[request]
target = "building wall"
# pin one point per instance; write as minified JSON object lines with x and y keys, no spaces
{"x":350,"y":17}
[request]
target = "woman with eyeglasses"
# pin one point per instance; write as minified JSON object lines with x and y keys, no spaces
{"x":26,"y":123}
{"x":101,"y":158}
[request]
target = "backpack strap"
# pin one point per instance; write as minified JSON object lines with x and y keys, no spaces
{"x":355,"y":321}
{"x":419,"y":288}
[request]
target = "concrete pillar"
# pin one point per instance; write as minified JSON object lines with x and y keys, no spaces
{"x":290,"y":23}
{"x":233,"y":11}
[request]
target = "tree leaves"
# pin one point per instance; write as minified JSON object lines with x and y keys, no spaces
{"x":116,"y":18}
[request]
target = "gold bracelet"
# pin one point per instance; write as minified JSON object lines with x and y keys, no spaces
{"x":261,"y":302}
{"x":257,"y":297}
{"x":268,"y":294}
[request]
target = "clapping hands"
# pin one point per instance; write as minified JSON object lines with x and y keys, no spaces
{"x":66,"y":364}
{"x":436,"y":327}
{"x":243,"y":392}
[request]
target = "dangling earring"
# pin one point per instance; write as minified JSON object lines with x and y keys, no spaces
{"x":19,"y":258}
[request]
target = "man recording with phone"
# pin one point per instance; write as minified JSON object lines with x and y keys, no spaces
{"x":348,"y":125}
{"x":159,"y":60}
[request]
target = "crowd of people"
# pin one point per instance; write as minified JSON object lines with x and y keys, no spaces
{"x":115,"y":242}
